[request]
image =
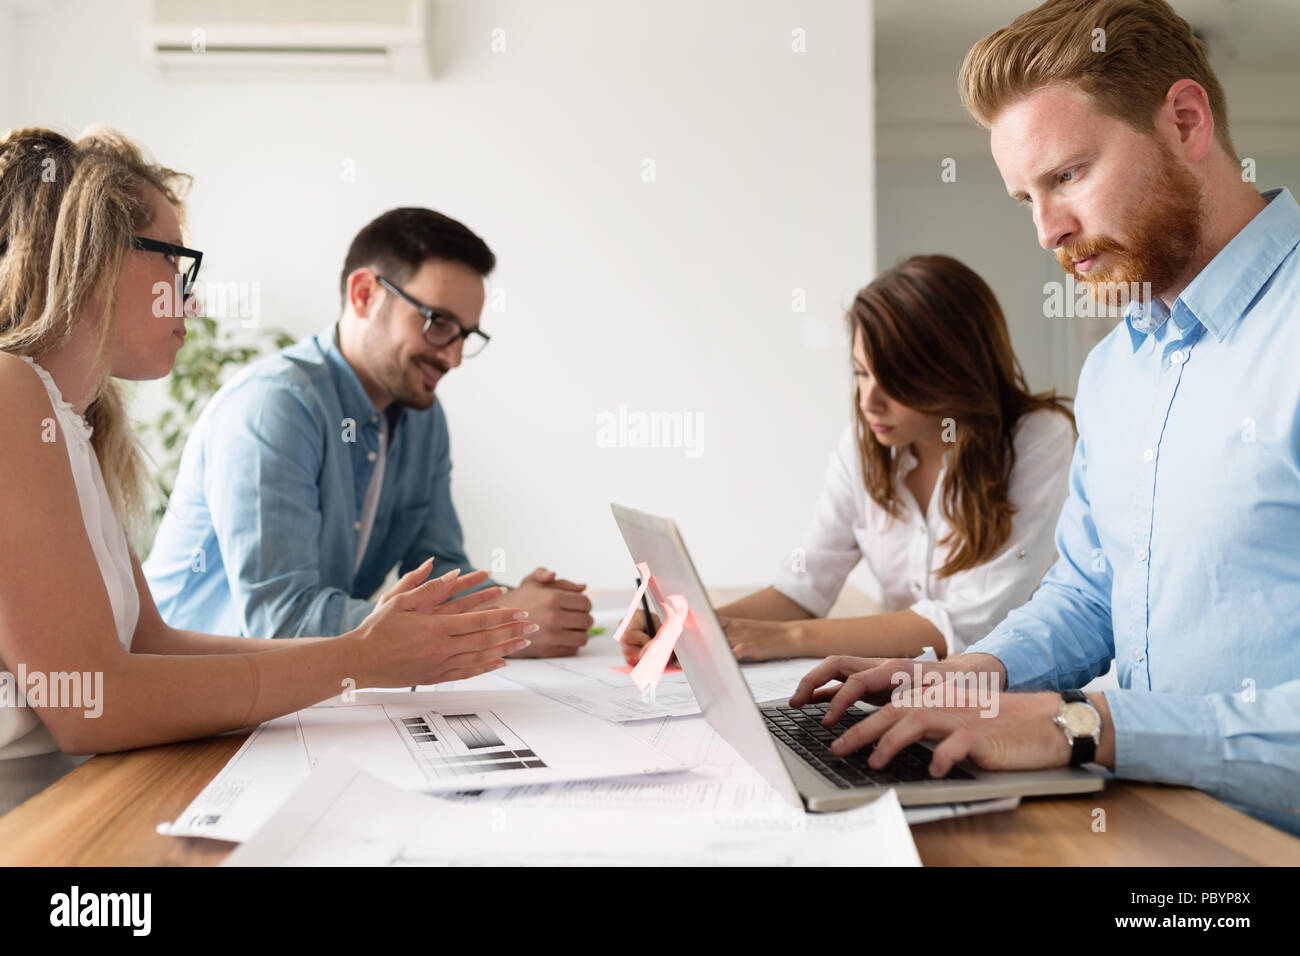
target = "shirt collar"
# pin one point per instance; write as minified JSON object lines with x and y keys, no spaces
{"x":905,"y":458}
{"x":1146,"y":318}
{"x":1220,"y":294}
{"x":907,"y":461}
{"x":356,"y":404}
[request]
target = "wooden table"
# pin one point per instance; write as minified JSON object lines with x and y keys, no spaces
{"x":105,"y":813}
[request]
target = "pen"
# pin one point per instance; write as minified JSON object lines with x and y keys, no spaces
{"x":645,"y":605}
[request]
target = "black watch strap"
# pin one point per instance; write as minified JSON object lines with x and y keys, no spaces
{"x":1085,"y":748}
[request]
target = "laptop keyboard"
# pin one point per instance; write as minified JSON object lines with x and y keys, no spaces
{"x":801,"y":730}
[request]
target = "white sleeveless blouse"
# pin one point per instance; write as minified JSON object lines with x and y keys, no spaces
{"x":21,"y":732}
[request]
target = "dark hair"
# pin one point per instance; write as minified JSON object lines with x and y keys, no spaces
{"x":400,"y":241}
{"x":936,"y":340}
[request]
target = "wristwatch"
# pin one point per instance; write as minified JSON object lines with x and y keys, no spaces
{"x":1081,"y":724}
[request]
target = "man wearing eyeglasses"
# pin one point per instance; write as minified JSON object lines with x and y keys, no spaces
{"x":315,"y":471}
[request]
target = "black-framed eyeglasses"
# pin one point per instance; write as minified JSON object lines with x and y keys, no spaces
{"x":186,"y":260}
{"x":440,"y":329}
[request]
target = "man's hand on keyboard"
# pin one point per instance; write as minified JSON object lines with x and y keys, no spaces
{"x":876,"y":679}
{"x":958,"y":702}
{"x":1020,"y":736}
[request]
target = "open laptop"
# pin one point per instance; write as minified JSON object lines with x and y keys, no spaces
{"x":789,"y":747}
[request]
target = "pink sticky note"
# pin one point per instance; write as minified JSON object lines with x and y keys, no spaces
{"x":654,"y":660}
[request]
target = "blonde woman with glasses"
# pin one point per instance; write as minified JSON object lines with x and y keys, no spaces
{"x":92,"y":276}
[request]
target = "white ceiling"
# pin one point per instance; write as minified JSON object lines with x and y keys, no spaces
{"x":916,"y":36}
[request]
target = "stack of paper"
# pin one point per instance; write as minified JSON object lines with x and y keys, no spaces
{"x":345,"y":816}
{"x":421,"y":742}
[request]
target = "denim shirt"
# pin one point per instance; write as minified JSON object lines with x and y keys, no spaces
{"x":1179,"y":542}
{"x":261,"y":531}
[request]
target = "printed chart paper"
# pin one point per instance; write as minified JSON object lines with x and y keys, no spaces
{"x":419,"y":742}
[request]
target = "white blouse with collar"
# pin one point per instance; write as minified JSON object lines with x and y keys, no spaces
{"x":903,"y":553}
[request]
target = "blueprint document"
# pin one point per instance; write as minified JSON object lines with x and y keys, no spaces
{"x":344,"y":816}
{"x":416,"y":741}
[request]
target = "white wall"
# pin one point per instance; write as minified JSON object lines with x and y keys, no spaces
{"x":674,"y":295}
{"x":8,"y":66}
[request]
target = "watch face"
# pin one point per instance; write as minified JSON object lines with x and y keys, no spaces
{"x":1080,"y":719}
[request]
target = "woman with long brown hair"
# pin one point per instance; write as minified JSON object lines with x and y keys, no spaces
{"x":948,"y":483}
{"x":90,"y":250}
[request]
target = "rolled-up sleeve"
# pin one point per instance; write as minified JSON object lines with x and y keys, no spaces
{"x":976,"y":600}
{"x":264,"y":456}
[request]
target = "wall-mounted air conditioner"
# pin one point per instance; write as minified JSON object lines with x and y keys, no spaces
{"x":380,"y":37}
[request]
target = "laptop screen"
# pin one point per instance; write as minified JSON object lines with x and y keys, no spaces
{"x":703,"y":651}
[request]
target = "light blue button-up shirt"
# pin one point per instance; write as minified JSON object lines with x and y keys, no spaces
{"x":261,"y":532}
{"x":1179,"y":543}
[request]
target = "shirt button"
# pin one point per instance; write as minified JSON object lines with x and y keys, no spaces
{"x":1020,"y":553}
{"x":356,"y":525}
{"x":371,"y":456}
{"x":1178,"y":356}
{"x":916,"y":585}
{"x":1140,"y":554}
{"x":1139,"y":655}
{"x":374,"y":419}
{"x":1148,"y":455}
